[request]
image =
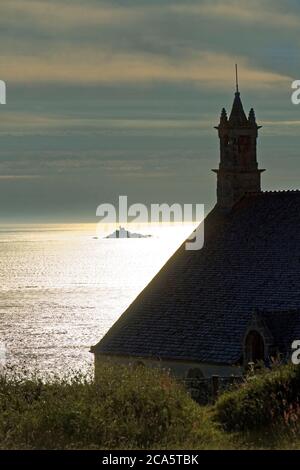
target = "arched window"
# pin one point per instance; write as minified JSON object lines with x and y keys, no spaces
{"x":254,"y":347}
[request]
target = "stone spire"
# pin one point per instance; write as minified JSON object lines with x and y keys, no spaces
{"x":223,"y":118}
{"x":251,"y":117}
{"x":237,"y":116}
{"x":238,"y":171}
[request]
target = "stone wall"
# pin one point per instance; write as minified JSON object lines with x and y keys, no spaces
{"x":180,"y":369}
{"x":206,"y":390}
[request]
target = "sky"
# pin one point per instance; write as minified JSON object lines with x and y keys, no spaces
{"x":120,"y":97}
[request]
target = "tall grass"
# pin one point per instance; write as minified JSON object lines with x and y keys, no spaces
{"x":267,"y":400}
{"x":126,"y":409}
{"x":145,"y":409}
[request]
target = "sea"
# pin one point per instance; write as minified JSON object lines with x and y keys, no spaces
{"x":63,"y":286}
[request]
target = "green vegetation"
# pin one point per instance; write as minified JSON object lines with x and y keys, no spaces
{"x":127,"y":408}
{"x":263,"y":401}
{"x":146,"y":409}
{"x":265,"y":410}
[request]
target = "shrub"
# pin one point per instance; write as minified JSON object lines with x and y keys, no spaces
{"x":262,"y":401}
{"x":127,"y":408}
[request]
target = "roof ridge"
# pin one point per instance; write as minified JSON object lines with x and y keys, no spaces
{"x":258,"y":194}
{"x":272,"y":191}
{"x":262,"y":311}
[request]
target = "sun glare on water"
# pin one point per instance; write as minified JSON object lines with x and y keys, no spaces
{"x":63,"y":286}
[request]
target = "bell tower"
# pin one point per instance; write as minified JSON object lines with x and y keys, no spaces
{"x":238,"y":171}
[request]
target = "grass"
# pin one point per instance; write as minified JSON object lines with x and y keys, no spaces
{"x":145,"y":409}
{"x":265,"y":400}
{"x":127,"y":409}
{"x":265,"y":410}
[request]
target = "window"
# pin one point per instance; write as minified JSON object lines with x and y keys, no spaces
{"x":244,"y":143}
{"x":254,"y":347}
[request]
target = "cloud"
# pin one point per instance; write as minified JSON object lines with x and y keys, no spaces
{"x":18,"y":177}
{"x":281,"y":128}
{"x":97,"y":65}
{"x":103,"y":95}
{"x":30,"y":123}
{"x":109,"y":43}
{"x":265,"y":12}
{"x":64,"y":15}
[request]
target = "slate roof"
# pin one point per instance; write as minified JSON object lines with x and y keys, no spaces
{"x":284,"y":327}
{"x":199,"y":305}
